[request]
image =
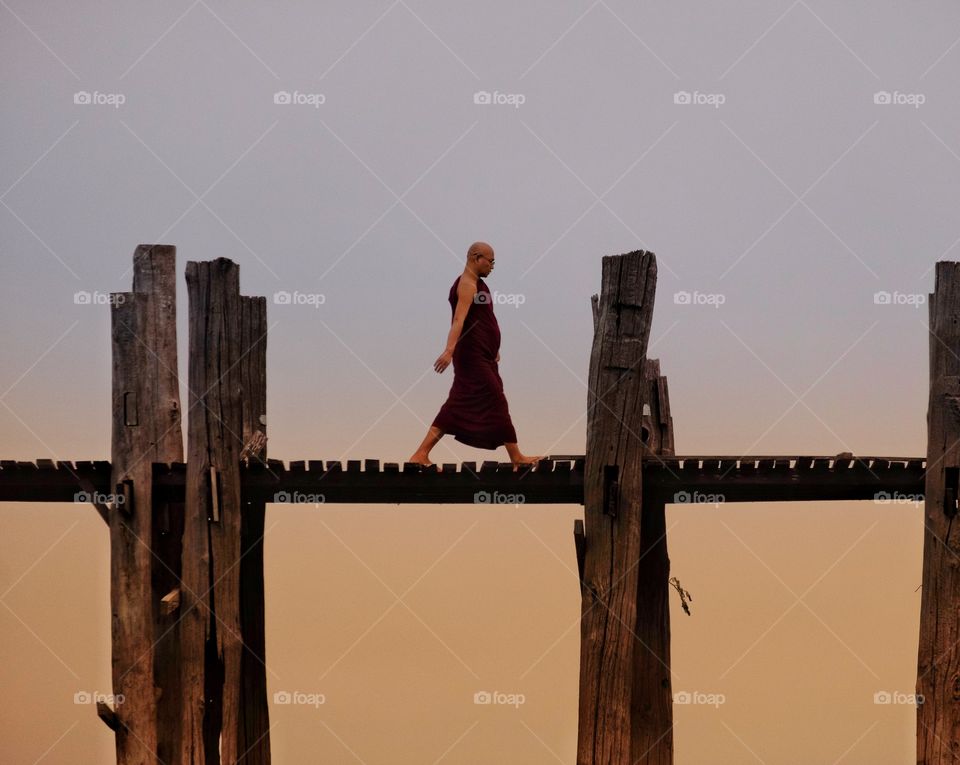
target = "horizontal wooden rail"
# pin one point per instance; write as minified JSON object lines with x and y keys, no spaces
{"x":681,"y":479}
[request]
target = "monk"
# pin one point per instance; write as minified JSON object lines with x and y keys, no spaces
{"x":476,"y":411}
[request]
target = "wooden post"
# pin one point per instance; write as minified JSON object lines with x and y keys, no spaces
{"x":146,"y":429}
{"x":651,"y":707}
{"x":612,"y":507}
{"x":254,"y":734}
{"x":210,"y":630}
{"x":938,"y":680}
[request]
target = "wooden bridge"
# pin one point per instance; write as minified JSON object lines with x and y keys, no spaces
{"x":555,"y":480}
{"x":186,"y":527}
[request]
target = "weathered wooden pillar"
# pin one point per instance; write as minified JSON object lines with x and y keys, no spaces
{"x":651,"y":706}
{"x":254,"y":736}
{"x":146,"y":429}
{"x":612,"y":507}
{"x":938,"y":668}
{"x":210,"y":630}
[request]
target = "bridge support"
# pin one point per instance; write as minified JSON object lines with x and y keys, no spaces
{"x":144,"y":534}
{"x":613,"y":491}
{"x":938,"y":678}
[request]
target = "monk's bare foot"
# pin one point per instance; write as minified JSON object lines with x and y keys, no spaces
{"x":523,"y":460}
{"x":423,"y":462}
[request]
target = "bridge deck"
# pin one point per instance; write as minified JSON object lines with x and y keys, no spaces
{"x":692,"y":478}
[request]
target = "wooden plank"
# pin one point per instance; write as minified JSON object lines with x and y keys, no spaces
{"x":612,"y":507}
{"x":145,"y":405}
{"x":253,"y":737}
{"x":353,"y":466}
{"x":210,"y":626}
{"x":938,"y":717}
{"x":371,"y":466}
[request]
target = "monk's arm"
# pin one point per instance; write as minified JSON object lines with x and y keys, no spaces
{"x":465,"y":293}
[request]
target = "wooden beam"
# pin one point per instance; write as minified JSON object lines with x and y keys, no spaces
{"x":254,"y":723}
{"x":146,"y":429}
{"x":938,"y":683}
{"x":612,"y":507}
{"x":651,"y":703}
{"x":211,"y":643}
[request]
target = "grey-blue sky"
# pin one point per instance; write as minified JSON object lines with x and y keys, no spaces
{"x":599,"y":159}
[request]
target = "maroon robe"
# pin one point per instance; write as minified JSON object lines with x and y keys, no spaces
{"x":476,"y":411}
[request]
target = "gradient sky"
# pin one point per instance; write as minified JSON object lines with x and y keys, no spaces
{"x":781,"y":198}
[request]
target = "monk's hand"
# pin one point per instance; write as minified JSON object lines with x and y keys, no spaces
{"x":443,"y":361}
{"x":498,"y":358}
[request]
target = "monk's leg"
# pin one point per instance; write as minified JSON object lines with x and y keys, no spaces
{"x":518,"y":458}
{"x":422,"y":454}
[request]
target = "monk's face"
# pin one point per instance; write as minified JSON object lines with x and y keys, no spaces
{"x":485,"y":260}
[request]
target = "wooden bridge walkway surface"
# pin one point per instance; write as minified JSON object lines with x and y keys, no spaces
{"x":558,"y":480}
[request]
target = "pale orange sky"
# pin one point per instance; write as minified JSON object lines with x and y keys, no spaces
{"x":783,"y":211}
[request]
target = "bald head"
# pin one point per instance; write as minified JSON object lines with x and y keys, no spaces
{"x":480,"y":258}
